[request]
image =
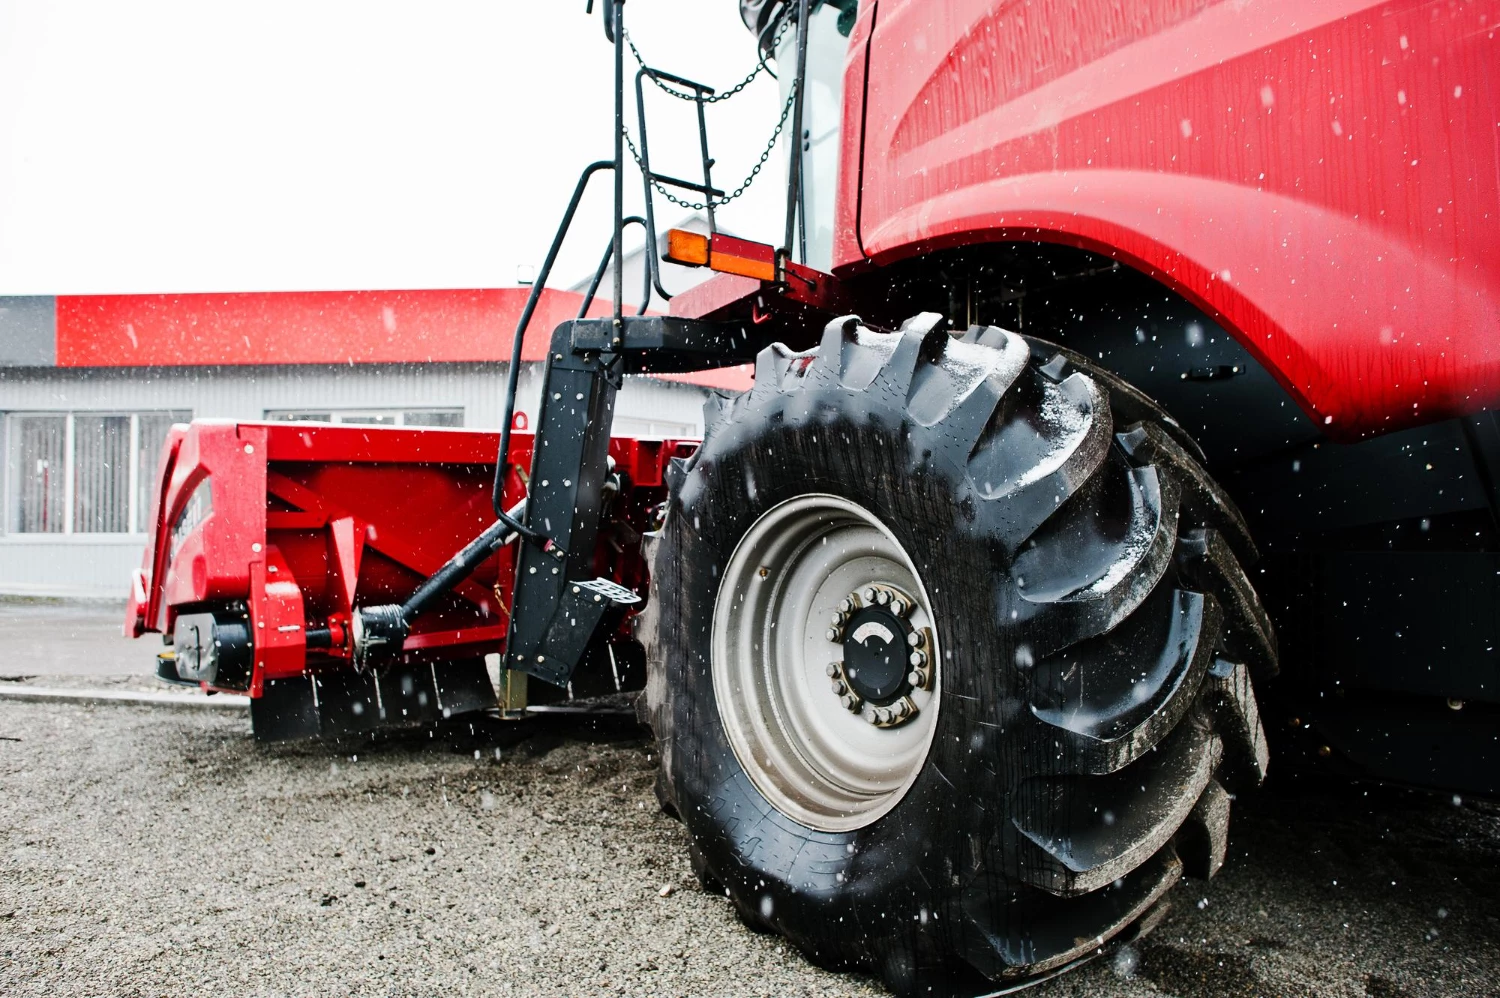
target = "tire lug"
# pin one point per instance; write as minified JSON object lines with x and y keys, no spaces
{"x":832,"y":671}
{"x":898,"y":607}
{"x":883,"y":597}
{"x":916,"y":679}
{"x":871,"y":593}
{"x":833,"y":634}
{"x":838,"y":687}
{"x":914,"y":638}
{"x":846,"y":604}
{"x":917,"y":659}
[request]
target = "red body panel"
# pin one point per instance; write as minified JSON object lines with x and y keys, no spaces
{"x":1323,"y":176}
{"x":303,"y":521}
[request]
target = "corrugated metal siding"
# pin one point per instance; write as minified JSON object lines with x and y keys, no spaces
{"x":31,"y":563}
{"x":247,"y":392}
{"x":37,"y":564}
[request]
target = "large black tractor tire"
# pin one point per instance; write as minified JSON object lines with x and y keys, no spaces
{"x":1044,"y":542}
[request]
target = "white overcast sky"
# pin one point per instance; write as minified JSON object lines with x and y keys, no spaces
{"x":159,"y":146}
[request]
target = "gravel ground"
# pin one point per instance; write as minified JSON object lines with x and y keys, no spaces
{"x":159,"y":852}
{"x":146,"y":851}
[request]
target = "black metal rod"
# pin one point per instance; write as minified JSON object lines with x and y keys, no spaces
{"x":513,"y":376}
{"x":794,"y":168}
{"x":804,"y":142}
{"x":619,"y":235}
{"x":703,"y":88}
{"x":690,"y":185}
{"x":708,"y":182}
{"x":462,"y":565}
{"x":652,"y":263}
{"x":609,"y":252}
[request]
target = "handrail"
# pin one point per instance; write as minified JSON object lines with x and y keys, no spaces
{"x":794,"y":168}
{"x":609,"y":252}
{"x":513,"y":376}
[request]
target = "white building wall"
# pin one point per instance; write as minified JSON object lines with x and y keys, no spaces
{"x":100,"y":565}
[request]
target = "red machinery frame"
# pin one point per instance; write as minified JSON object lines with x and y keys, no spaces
{"x":301,"y":522}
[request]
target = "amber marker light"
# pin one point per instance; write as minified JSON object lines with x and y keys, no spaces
{"x":687,"y":248}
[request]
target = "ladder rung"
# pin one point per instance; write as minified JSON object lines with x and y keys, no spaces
{"x":657,"y":74}
{"x":687,"y":185}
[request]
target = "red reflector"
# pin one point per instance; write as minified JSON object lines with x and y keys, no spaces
{"x":729,"y":255}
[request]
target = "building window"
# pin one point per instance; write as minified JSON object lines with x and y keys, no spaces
{"x":375,"y":417}
{"x":653,"y":429}
{"x":82,"y":472}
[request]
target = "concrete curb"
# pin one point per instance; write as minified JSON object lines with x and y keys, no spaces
{"x":182,"y":701}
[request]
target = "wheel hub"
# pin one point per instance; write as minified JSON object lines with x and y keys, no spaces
{"x":823,"y":647}
{"x":885,"y":657}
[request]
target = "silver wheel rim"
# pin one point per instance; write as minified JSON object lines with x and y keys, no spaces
{"x":812,"y":757}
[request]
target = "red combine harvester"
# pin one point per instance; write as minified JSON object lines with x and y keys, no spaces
{"x":947,"y":629}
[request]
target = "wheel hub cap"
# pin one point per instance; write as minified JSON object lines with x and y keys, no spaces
{"x":885,"y":658}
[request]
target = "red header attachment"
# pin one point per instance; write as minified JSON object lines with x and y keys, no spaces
{"x":725,"y":254}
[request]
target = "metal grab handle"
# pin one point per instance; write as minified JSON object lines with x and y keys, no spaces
{"x":795,"y":167}
{"x":609,"y":253}
{"x":513,"y":376}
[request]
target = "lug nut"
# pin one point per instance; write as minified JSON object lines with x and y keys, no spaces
{"x":916,"y":678}
{"x":917,"y":659}
{"x":871,"y":593}
{"x":846,"y":604}
{"x":849,"y":702}
{"x":898,"y":607}
{"x":832,"y":670}
{"x":832,"y":634}
{"x":914,"y":638}
{"x":883,"y":598}
{"x":838,"y":687}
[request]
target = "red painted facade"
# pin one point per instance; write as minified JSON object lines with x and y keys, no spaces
{"x":322,"y":327}
{"x":309,"y":327}
{"x":1322,"y":176}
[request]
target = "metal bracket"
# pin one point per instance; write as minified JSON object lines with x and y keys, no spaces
{"x":554,"y":613}
{"x":584,"y":605}
{"x":666,"y":343}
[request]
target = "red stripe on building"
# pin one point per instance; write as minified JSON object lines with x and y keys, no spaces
{"x":308,"y":327}
{"x":320,"y":327}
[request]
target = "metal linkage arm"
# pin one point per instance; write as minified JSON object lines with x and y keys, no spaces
{"x":378,"y":632}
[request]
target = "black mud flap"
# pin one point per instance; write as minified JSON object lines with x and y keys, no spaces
{"x":286,"y":710}
{"x":349,"y":704}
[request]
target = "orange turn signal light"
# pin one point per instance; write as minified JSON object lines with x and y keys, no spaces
{"x":722,"y":253}
{"x":687,"y":248}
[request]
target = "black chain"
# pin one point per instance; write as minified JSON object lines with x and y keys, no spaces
{"x":680,"y":95}
{"x":754,"y":171}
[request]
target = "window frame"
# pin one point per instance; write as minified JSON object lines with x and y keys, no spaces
{"x":137,"y":512}
{"x":338,"y":416}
